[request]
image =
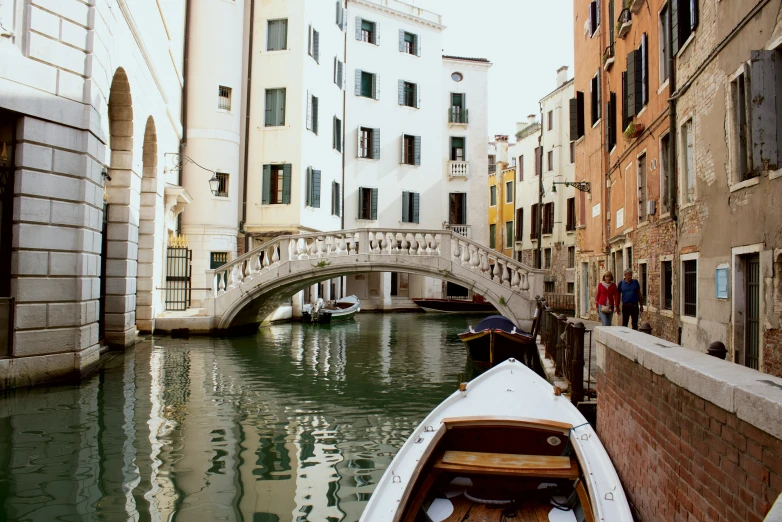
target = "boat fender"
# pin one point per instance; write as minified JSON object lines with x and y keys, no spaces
{"x":463,"y":387}
{"x":557,"y":391}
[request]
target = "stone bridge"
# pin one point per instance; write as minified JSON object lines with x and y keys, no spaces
{"x":252,"y":286}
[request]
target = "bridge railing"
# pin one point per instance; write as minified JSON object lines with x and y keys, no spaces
{"x":455,"y":247}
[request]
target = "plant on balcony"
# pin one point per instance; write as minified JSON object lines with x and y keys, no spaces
{"x":634,"y":5}
{"x":624,"y":23}
{"x":633,"y":130}
{"x":608,"y":57}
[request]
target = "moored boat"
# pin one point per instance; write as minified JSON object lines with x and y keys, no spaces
{"x":327,"y":312}
{"x":496,"y":338}
{"x":456,"y":306}
{"x":503,"y":447}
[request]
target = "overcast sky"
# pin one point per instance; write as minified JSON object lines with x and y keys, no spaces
{"x":526,"y":40}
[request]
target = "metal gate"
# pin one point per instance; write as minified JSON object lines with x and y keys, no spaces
{"x":178,"y":271}
{"x":752,"y":326}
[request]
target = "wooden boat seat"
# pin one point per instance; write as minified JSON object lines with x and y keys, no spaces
{"x":507,"y":464}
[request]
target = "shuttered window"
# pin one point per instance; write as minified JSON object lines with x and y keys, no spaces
{"x":765,"y":75}
{"x":312,"y":113}
{"x":685,"y":20}
{"x":577,"y":116}
{"x":492,"y":236}
{"x":690,"y":284}
{"x":629,"y":87}
{"x":594,"y":91}
{"x":369,"y":143}
{"x":275,"y":108}
{"x":337,"y":144}
{"x":277,"y":35}
{"x":571,"y":214}
{"x":339,"y":73}
{"x":367,"y":203}
{"x":366,"y":31}
{"x":409,"y":43}
{"x":276,"y":184}
{"x":533,"y":221}
{"x":594,"y":20}
{"x":313,"y":188}
{"x":366,"y":84}
{"x":411,"y":204}
{"x":408,"y":94}
{"x":493,"y":196}
{"x":642,"y":188}
{"x":519,"y":224}
{"x":548,"y":218}
{"x":642,"y":74}
{"x":521,"y":168}
{"x":341,"y":18}
{"x":509,"y":234}
{"x":336,"y":199}
{"x":611,"y":122}
{"x":313,"y":44}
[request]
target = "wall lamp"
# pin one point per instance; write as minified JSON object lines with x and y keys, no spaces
{"x":180,"y":160}
{"x":583,"y":186}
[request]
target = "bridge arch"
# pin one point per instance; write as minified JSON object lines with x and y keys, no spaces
{"x":253,"y":285}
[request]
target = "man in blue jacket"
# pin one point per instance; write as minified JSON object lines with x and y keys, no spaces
{"x":632,"y":299}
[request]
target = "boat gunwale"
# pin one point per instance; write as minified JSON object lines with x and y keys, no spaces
{"x":519,"y":422}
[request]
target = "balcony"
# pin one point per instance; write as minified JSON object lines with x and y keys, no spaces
{"x":492,"y":168}
{"x":608,"y":57}
{"x":624,"y":23}
{"x":462,"y":230}
{"x":458,"y":169}
{"x":634,"y":5}
{"x":458,"y":115}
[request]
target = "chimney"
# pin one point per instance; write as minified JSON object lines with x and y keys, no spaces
{"x":561,"y":76}
{"x":531,"y":119}
{"x":502,"y":148}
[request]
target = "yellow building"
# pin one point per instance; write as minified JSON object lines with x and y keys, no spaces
{"x":501,"y":199}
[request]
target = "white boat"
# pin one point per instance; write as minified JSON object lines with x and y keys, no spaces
{"x":504,"y":445}
{"x":326,"y":312}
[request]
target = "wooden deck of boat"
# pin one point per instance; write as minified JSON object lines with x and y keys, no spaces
{"x":468,"y":511}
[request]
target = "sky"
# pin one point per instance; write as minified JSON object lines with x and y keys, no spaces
{"x":526,"y":40}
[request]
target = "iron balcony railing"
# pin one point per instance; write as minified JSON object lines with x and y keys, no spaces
{"x":457,"y":114}
{"x":492,"y":168}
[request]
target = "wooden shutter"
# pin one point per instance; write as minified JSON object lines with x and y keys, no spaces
{"x":405,"y":207}
{"x":764,"y":126}
{"x":375,"y":144}
{"x":316,"y":44}
{"x":416,"y":206}
{"x":375,"y":89}
{"x":358,"y":143}
{"x":360,"y":202}
{"x":338,"y":199}
{"x":374,"y":204}
{"x":309,"y":41}
{"x":610,"y":122}
{"x":573,"y":120}
{"x":519,"y":222}
{"x":533,"y":222}
{"x":280,"y":104}
{"x":417,"y":45}
{"x":580,"y":108}
{"x":315,"y":114}
{"x":358,"y":82}
{"x":358,"y":27}
{"x":271,"y":107}
{"x":693,"y":15}
{"x":339,"y":14}
{"x":642,"y":73}
{"x":266,"y":188}
{"x":401,"y":40}
{"x":286,"y":183}
{"x":416,"y":96}
{"x":271,"y":38}
{"x":309,"y":111}
{"x":401,"y":92}
{"x":402,"y":150}
{"x":283,"y":34}
{"x":416,"y":150}
{"x":340,"y":67}
{"x":630,"y":83}
{"x":316,"y":188}
{"x":464,"y":209}
{"x":308,"y":192}
{"x":674,"y":7}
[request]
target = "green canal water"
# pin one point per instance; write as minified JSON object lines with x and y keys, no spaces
{"x":295,"y":423}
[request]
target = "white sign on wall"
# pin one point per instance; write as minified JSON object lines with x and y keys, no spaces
{"x":620,"y":217}
{"x":596,"y":210}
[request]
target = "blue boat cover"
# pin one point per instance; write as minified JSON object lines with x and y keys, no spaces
{"x":496,"y":322}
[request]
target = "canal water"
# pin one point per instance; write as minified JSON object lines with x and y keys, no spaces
{"x":295,"y":423}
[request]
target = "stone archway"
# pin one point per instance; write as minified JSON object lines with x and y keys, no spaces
{"x":123,"y":194}
{"x":150,"y":232}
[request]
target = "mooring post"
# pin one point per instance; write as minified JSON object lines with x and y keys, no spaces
{"x":718,"y":350}
{"x":577,"y":363}
{"x":561,"y":326}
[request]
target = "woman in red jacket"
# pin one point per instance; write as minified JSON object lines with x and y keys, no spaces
{"x":607,"y":298}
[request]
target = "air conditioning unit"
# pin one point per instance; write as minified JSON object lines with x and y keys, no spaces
{"x":651,"y":207}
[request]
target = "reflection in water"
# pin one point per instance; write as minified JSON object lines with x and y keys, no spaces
{"x":295,"y":423}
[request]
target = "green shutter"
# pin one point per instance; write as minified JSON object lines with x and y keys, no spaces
{"x":374,"y":204}
{"x":492,"y":236}
{"x":401,"y":91}
{"x":283,"y":34}
{"x":314,"y":115}
{"x":286,"y":183}
{"x":375,"y":90}
{"x":266,"y":187}
{"x":674,"y":6}
{"x":464,"y":209}
{"x":271,"y":107}
{"x":416,"y":150}
{"x":401,"y":40}
{"x":416,"y":96}
{"x":417,"y":45}
{"x":316,"y":188}
{"x":358,"y":27}
{"x":376,"y":144}
{"x":308,"y":193}
{"x":631,"y":73}
{"x":360,"y":201}
{"x":339,"y":199}
{"x":405,"y":206}
{"x":317,"y":46}
{"x":358,"y":82}
{"x":281,"y":106}
{"x":416,"y":206}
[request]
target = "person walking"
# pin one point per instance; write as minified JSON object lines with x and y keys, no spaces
{"x":632,"y":299}
{"x":607,"y":299}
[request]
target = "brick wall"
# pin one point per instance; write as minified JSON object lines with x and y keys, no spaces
{"x":681,"y":457}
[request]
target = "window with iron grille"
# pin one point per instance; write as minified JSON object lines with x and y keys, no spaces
{"x":217,"y":259}
{"x":224,"y":98}
{"x":667,"y":285}
{"x":549,"y":287}
{"x":509,"y":234}
{"x":690,"y":280}
{"x":571,"y":257}
{"x":571,"y":214}
{"x":547,"y":256}
{"x":222,"y":190}
{"x":643,"y":279}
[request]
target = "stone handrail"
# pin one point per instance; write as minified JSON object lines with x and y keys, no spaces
{"x":376,"y":241}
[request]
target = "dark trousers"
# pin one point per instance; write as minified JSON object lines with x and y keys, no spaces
{"x":630,"y":310}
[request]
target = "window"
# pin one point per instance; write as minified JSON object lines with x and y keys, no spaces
{"x":313,"y":44}
{"x":548,"y":218}
{"x":509,"y":234}
{"x":509,"y":192}
{"x":549,"y":287}
{"x":571,"y":288}
{"x":550,"y":120}
{"x":217,"y":259}
{"x":276,"y":184}
{"x":628,"y":108}
{"x":665,"y":53}
{"x":365,"y":31}
{"x":367,"y":203}
{"x":611,"y":122}
{"x":336,"y":199}
{"x":277,"y":35}
{"x":457,"y":76}
{"x":408,"y":43}
{"x":741,"y":146}
{"x":533,"y":222}
{"x":642,"y":189}
{"x":521,"y":168}
{"x":571,"y":214}
{"x":337,"y":144}
{"x":643,"y":280}
{"x":594,"y":91}
{"x":690,"y":283}
{"x":369,"y":143}
{"x":572,"y":152}
{"x":493,"y":196}
{"x":538,"y":161}
{"x":408,"y":94}
{"x":275,"y":108}
{"x":513,"y":161}
{"x":341,"y":18}
{"x":457,"y":148}
{"x":366,"y":84}
{"x":492,"y":163}
{"x":667,"y":285}
{"x":550,"y":157}
{"x":313,"y":188}
{"x":458,"y":111}
{"x":411,"y":203}
{"x":457,"y":208}
{"x":577,"y":116}
{"x":492,"y":236}
{"x":411,"y":150}
{"x":222,"y":187}
{"x":312,"y":113}
{"x":611,"y":23}
{"x":339,"y":71}
{"x":594,"y":17}
{"x":688,"y":160}
{"x":547,"y":258}
{"x":636,"y":82}
{"x":685,"y":20}
{"x":224,"y":98}
{"x":519,"y":223}
{"x":664,"y":152}
{"x":571,"y":257}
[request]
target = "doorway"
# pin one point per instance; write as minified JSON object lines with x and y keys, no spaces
{"x":752,"y":311}
{"x":457,"y":208}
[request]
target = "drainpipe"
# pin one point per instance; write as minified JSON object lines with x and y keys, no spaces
{"x":539,"y":217}
{"x":183,"y":142}
{"x":344,"y":116}
{"x":247,"y":129}
{"x":671,"y":122}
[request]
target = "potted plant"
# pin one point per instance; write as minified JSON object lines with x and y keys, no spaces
{"x":633,"y":130}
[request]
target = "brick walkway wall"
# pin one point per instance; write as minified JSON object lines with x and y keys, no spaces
{"x":681,"y":458}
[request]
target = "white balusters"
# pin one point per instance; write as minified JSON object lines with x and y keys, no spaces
{"x":525,"y":281}
{"x":466,"y":254}
{"x":497,"y":271}
{"x":221,"y":282}
{"x":413,"y":245}
{"x":343,"y":247}
{"x":457,"y":250}
{"x":322,"y":252}
{"x":275,"y":253}
{"x":514,"y":282}
{"x":384,"y":244}
{"x":475,"y":260}
{"x":257,"y":263}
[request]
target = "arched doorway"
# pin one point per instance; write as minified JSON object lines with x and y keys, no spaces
{"x":122,"y":197}
{"x":149,"y":234}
